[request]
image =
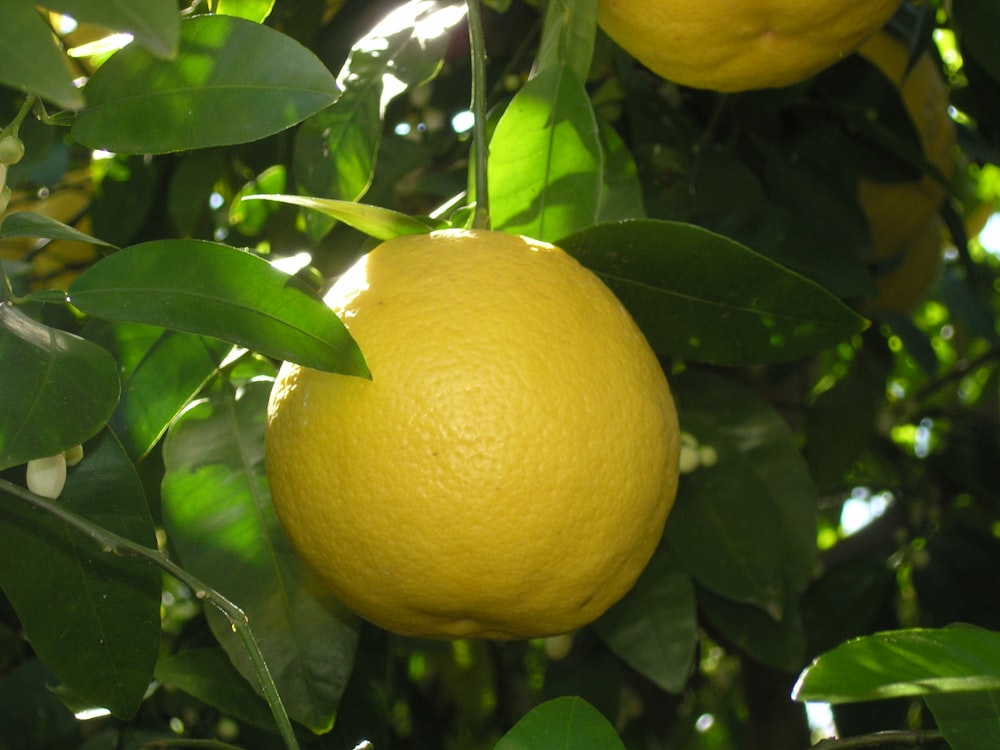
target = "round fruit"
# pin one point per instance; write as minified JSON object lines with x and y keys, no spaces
{"x":507,"y":471}
{"x":906,"y":277}
{"x":900,"y":214}
{"x":738,"y":45}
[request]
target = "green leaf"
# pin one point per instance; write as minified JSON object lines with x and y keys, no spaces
{"x":653,"y":628}
{"x":32,"y":62}
{"x":621,"y":194}
{"x":33,"y":715}
{"x":568,"y":35}
{"x":251,"y":218}
{"x":380,"y":223}
{"x":955,"y":659}
{"x":219,"y":518}
{"x":566,"y":722}
{"x":155,"y":24}
{"x":58,"y":389}
{"x":161,"y":372}
{"x":779,"y":644}
{"x":208,"y":675}
{"x":216,"y":290}
{"x":727,"y":516}
{"x":968,"y":721}
{"x":252,"y":10}
{"x":138,"y":103}
{"x":977,"y":21}
{"x":31,"y":224}
{"x":704,"y":297}
{"x":92,"y":617}
{"x":546,"y":163}
{"x":336,"y":149}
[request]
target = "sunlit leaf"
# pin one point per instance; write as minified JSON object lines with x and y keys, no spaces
{"x":727,"y":515}
{"x":568,"y":36}
{"x":704,"y":297}
{"x":161,"y":372}
{"x":566,"y":722}
{"x":58,"y":389}
{"x":252,"y":10}
{"x":955,"y":659}
{"x":219,"y":518}
{"x":31,"y":60}
{"x":546,"y":164}
{"x":654,"y":628}
{"x":381,"y":223}
{"x":155,"y":24}
{"x":31,"y":224}
{"x":91,"y":616}
{"x":138,"y":103}
{"x":335,"y":150}
{"x":216,"y":290}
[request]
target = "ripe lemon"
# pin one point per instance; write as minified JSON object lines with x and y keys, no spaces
{"x":738,"y":45}
{"x":901,"y":214}
{"x":507,"y":471}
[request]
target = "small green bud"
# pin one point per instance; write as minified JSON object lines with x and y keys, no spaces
{"x":5,"y":196}
{"x":11,"y":149}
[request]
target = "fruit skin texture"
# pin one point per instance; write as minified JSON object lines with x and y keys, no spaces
{"x":902,"y":216}
{"x":739,"y":45}
{"x":507,"y":471}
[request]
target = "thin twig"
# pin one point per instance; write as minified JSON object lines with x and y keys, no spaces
{"x":480,"y":145}
{"x":111,"y":542}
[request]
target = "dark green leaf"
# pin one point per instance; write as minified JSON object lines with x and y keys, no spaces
{"x":208,"y":675}
{"x":250,"y":218}
{"x":219,"y":518}
{"x":138,"y":103}
{"x":33,"y":715}
{"x":778,"y":644}
{"x":977,"y":22}
{"x":567,"y":722}
{"x":968,"y":721}
{"x":380,"y":223}
{"x":216,"y":290}
{"x":335,"y":150}
{"x":957,"y":658}
{"x":92,"y":617}
{"x":155,"y":24}
{"x":30,"y":224}
{"x":704,"y":297}
{"x":654,"y":628}
{"x":546,"y":164}
{"x":31,"y":60}
{"x":727,"y":516}
{"x":161,"y":372}
{"x":568,"y":36}
{"x":58,"y":389}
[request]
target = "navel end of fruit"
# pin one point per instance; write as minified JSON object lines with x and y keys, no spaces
{"x":47,"y":476}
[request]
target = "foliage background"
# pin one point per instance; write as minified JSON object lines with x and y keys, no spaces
{"x":730,"y":227}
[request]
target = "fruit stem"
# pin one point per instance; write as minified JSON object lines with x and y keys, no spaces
{"x":480,"y":145}
{"x":15,"y":124}
{"x":115,"y":544}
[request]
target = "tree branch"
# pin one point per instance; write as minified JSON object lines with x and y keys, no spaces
{"x":914,"y":737}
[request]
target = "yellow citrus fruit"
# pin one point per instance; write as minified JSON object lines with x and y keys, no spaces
{"x":738,"y":45}
{"x":900,"y":213}
{"x":907,"y":276}
{"x":507,"y":471}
